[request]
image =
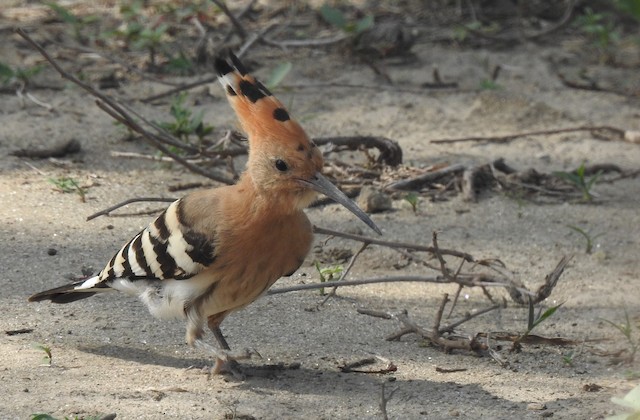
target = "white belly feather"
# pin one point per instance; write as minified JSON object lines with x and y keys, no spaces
{"x":165,"y":299}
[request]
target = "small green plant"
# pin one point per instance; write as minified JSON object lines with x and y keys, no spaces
{"x":180,"y":65}
{"x":632,"y":375}
{"x":589,"y":238}
{"x":488,"y":84}
{"x":69,"y":185}
{"x":47,"y":359}
{"x":462,"y":32}
{"x":568,"y":358}
{"x":10,"y":75}
{"x":336,"y":17}
{"x":412,"y":199}
{"x":533,"y":322}
{"x":42,"y":416}
{"x":599,"y":27}
{"x":578,"y":179}
{"x":327,"y":274}
{"x":626,"y":329}
{"x":630,"y":7}
{"x":141,"y":33}
{"x":151,"y":39}
{"x":78,"y":23}
{"x":185,"y":123}
{"x":631,"y":403}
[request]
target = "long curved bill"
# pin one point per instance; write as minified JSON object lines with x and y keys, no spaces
{"x":322,"y":185}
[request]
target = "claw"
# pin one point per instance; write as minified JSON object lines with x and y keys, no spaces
{"x":226,"y":360}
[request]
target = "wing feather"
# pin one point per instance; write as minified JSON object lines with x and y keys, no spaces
{"x":165,"y":249}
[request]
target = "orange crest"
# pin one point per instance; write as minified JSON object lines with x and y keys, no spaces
{"x":262,"y":116}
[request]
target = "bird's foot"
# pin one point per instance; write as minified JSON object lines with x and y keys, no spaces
{"x":226,"y":360}
{"x":230,"y":367}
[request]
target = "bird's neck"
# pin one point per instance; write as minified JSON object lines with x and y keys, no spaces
{"x":265,"y":203}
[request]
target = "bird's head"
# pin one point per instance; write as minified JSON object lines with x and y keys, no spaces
{"x":283,"y":162}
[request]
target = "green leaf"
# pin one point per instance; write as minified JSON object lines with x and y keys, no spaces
{"x":28,"y":73}
{"x":631,"y":7}
{"x":488,"y":84}
{"x":625,"y":329}
{"x":42,"y":416}
{"x":317,"y":265}
{"x":593,"y":179}
{"x":6,"y":72}
{"x":333,"y":16}
{"x":579,"y":230}
{"x":570,"y":177}
{"x":278,"y":74}
{"x":64,"y":14}
{"x":549,"y":312}
{"x":180,"y":65}
{"x":364,"y":24}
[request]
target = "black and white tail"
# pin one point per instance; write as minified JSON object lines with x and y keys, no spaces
{"x":70,"y":292}
{"x":167,"y":249}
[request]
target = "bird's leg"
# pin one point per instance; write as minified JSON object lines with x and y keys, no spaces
{"x":226,"y":360}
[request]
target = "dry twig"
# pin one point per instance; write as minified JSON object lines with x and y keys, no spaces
{"x":118,"y":112}
{"x":106,"y":211}
{"x":510,"y":137}
{"x":384,"y":400}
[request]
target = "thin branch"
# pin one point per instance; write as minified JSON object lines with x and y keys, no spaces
{"x":470,"y":281}
{"x":509,"y":137}
{"x":320,"y":42}
{"x":129,"y":201}
{"x":384,"y":400}
{"x":389,"y":244}
{"x":467,"y":317}
{"x":129,"y":122}
{"x":521,"y":37}
{"x":436,"y":324}
{"x":155,"y":158}
{"x":118,"y":61}
{"x":252,"y":40}
{"x":234,"y":21}
{"x":390,"y":150}
{"x":118,"y":112}
{"x":417,"y":183}
{"x":374,"y":313}
{"x":178,"y":89}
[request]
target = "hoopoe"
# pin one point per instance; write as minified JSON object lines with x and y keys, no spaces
{"x":215,"y":251}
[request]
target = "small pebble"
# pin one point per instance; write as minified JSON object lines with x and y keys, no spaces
{"x":632,"y":136}
{"x":52,"y":251}
{"x":373,"y":200}
{"x":536,"y":406}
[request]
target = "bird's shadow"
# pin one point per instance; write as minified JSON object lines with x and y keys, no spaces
{"x":414,"y":396}
{"x":144,"y":356}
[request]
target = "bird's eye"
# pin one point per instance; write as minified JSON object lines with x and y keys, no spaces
{"x":281,"y":165}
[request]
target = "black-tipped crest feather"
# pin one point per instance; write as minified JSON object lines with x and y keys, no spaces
{"x":238,"y":64}
{"x":222,"y":66}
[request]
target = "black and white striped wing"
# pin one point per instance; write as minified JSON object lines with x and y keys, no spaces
{"x":166,"y":249}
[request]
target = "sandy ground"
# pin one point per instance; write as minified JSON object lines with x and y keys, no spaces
{"x":111,"y":356}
